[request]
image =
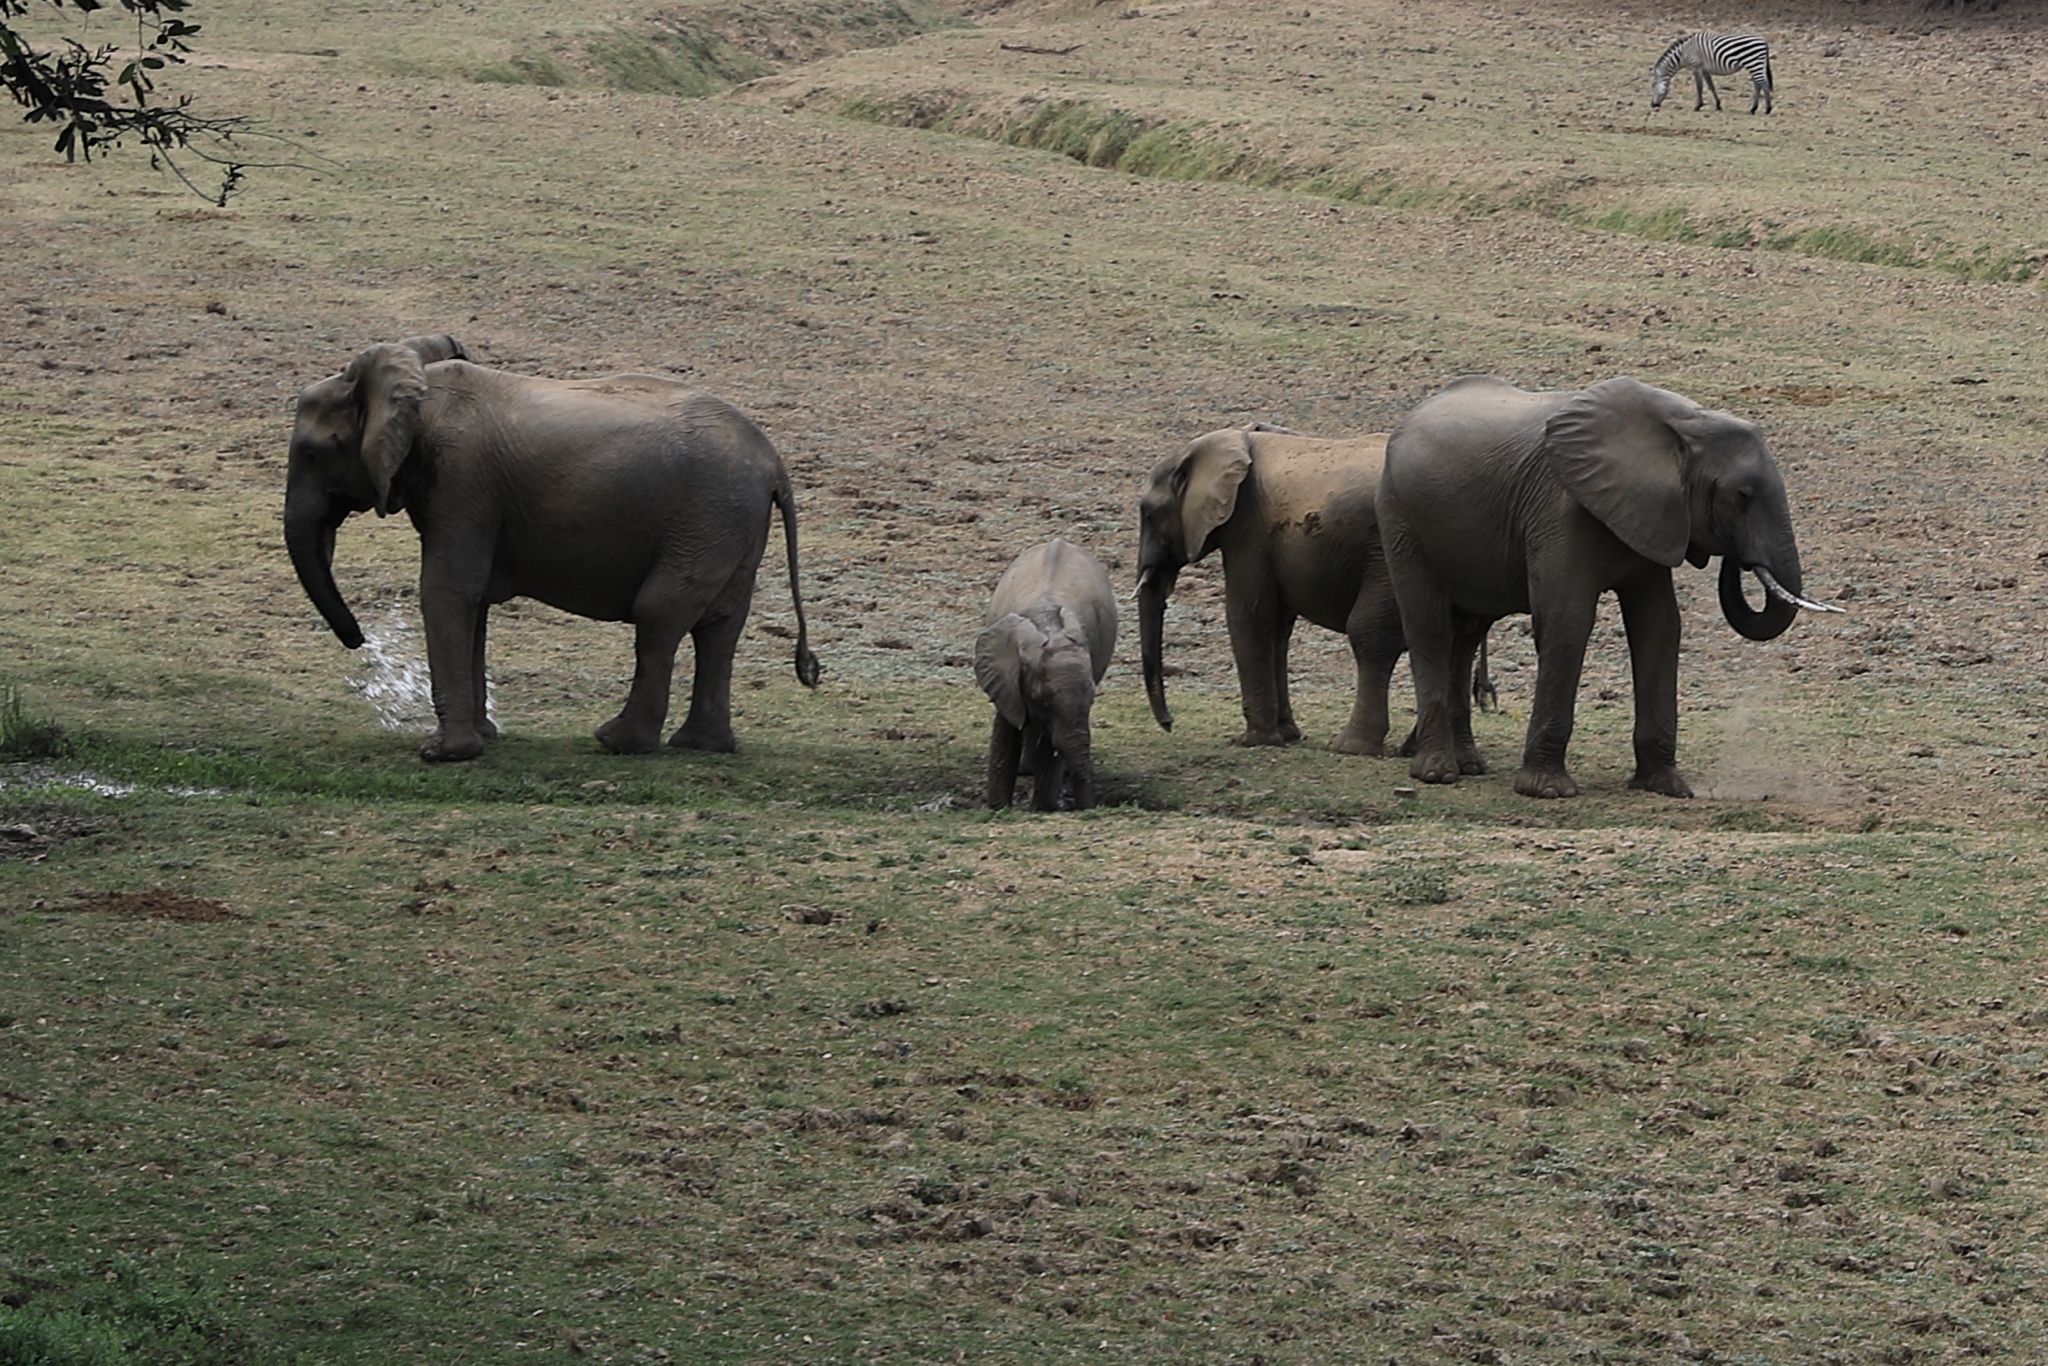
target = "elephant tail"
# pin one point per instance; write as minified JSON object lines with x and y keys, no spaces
{"x":807,"y":667}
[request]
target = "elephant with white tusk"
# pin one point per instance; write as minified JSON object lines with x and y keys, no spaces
{"x":629,"y":498}
{"x":1050,"y":636}
{"x":1293,"y":517}
{"x":1497,"y":500}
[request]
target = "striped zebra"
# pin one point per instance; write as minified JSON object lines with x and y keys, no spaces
{"x":1710,"y":55}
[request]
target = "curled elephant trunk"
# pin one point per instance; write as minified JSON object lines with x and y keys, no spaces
{"x":309,"y":538}
{"x":1154,"y":585}
{"x":1781,"y":604}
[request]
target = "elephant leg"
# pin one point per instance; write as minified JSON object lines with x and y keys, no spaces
{"x":1284,"y":715}
{"x":1562,"y":630}
{"x":667,"y":607}
{"x":1375,"y":635}
{"x":1649,"y":613}
{"x":484,"y":725}
{"x":716,"y":640}
{"x":1469,"y":634}
{"x":1427,"y":619}
{"x":1258,"y":643}
{"x":452,"y":605}
{"x":1005,"y":744}
{"x":637,"y":727}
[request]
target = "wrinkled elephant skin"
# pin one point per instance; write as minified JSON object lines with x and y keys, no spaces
{"x":629,"y":498}
{"x":1497,"y":500}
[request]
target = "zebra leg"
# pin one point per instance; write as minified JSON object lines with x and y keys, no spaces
{"x":1712,"y":89}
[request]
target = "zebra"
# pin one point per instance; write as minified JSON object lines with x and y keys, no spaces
{"x":1710,"y":55}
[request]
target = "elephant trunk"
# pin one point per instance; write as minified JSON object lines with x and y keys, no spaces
{"x":1072,"y":742}
{"x":1154,"y":586}
{"x":1780,"y":607}
{"x":310,"y":520}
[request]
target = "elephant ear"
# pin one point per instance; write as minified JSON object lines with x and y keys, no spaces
{"x":1617,"y":448}
{"x":1074,"y":627}
{"x":1004,"y":651}
{"x":439,"y":346}
{"x":1207,"y":479}
{"x":390,"y":382}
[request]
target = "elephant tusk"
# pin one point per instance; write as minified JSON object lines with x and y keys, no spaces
{"x":1145,"y":577}
{"x":1783,"y":594}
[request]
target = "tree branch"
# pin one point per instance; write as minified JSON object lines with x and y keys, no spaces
{"x":76,"y":88}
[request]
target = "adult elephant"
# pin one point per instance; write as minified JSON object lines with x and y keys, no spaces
{"x":630,"y":498}
{"x":1497,"y":500}
{"x":1293,"y":518}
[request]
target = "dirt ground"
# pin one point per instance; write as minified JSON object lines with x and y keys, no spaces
{"x":961,"y":349}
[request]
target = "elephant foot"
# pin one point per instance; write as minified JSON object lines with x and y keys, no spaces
{"x":1409,"y":746}
{"x":1472,"y":762}
{"x":448,"y":747}
{"x":705,"y":738}
{"x":1545,"y":782}
{"x":1434,"y":768}
{"x":618,"y":737}
{"x":1289,"y":731}
{"x":1347,"y":742}
{"x":1254,"y":739}
{"x":1664,"y":781}
{"x":487,"y":728}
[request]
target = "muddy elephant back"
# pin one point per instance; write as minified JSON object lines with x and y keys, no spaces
{"x":1299,"y":474}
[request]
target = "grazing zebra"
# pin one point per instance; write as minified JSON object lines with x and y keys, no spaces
{"x":1710,"y":55}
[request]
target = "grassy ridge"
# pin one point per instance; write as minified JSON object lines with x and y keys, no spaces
{"x":702,"y":48}
{"x":1117,"y":139}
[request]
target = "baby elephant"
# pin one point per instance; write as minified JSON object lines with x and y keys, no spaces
{"x":1051,"y":632}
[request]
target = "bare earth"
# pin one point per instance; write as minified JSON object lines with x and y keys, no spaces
{"x":961,"y":348}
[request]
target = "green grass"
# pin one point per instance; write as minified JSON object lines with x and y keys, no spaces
{"x":678,"y":63}
{"x":440,"y":1045}
{"x":112,"y":1315}
{"x":27,"y":737}
{"x":536,"y":68}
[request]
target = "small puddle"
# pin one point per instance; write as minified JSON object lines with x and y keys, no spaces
{"x":36,"y":777}
{"x":391,"y":675}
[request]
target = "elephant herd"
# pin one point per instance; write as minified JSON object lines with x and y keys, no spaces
{"x":635,"y":498}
